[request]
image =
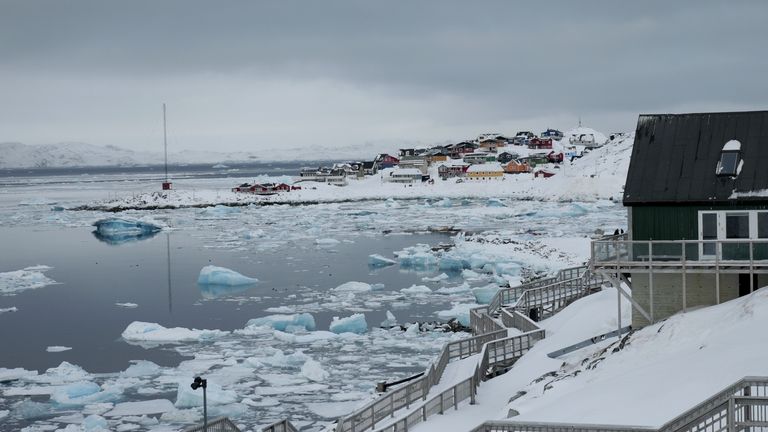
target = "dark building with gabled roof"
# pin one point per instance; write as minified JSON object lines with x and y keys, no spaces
{"x":697,"y":201}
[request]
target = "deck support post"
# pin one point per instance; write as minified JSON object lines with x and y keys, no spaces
{"x":650,"y":277}
{"x":685,"y":309}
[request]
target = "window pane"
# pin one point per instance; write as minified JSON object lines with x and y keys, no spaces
{"x":762,"y":225}
{"x":728,"y":162}
{"x":709,"y":226}
{"x":736,"y":225}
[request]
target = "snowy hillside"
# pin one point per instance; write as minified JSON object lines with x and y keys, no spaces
{"x":651,"y":377}
{"x":77,"y":154}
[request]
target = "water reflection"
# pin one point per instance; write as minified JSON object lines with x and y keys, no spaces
{"x":116,"y":239}
{"x":212,"y":291}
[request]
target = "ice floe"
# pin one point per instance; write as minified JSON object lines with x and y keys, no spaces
{"x":213,"y":275}
{"x":139,"y":331}
{"x":353,"y":324}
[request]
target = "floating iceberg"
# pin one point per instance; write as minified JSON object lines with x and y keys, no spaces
{"x":416,"y":256}
{"x":390,"y":321}
{"x":511,"y":269}
{"x":139,"y":331}
{"x":212,"y":275}
{"x":493,"y":202}
{"x":354,"y":287}
{"x":440,"y":277}
{"x":17,"y":281}
{"x":142,"y":368}
{"x":446,"y":203}
{"x":354,"y":324}
{"x":119,"y":230}
{"x":459,"y":311}
{"x":484,"y":295}
{"x":416,"y":289}
{"x":312,"y":371}
{"x":80,"y":394}
{"x":452,"y":262}
{"x":95,"y":423}
{"x":220,"y":166}
{"x":378,"y":260}
{"x":303,"y":321}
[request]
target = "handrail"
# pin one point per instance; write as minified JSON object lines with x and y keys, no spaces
{"x":670,"y":251}
{"x":741,"y":405}
{"x":223,"y":424}
{"x":499,"y":351}
{"x":280,"y":426}
{"x":511,"y":295}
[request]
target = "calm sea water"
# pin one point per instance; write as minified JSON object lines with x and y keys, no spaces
{"x":160,"y":275}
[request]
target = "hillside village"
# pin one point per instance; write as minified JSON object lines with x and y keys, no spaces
{"x":487,"y":158}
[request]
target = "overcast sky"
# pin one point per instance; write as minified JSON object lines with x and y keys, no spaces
{"x":252,"y":75}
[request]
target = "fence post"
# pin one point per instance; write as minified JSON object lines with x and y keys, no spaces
{"x":441,"y":403}
{"x":392,"y":404}
{"x":373,"y":417}
{"x":472,"y":390}
{"x":731,"y":415}
{"x":455,"y":399}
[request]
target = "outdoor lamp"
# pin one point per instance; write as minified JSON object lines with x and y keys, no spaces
{"x":199,"y":382}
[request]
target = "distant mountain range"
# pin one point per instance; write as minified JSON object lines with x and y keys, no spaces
{"x":79,"y":154}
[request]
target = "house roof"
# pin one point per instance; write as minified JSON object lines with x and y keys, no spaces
{"x":675,"y":159}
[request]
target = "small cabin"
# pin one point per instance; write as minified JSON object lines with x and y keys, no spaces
{"x":697,"y":213}
{"x":517,"y":166}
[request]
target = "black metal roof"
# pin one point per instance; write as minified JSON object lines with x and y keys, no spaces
{"x":675,"y":156}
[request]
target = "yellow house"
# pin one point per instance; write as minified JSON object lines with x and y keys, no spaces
{"x":485,"y":172}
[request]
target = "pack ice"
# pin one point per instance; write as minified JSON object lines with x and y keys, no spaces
{"x":29,"y":278}
{"x":285,"y":323}
{"x":212,"y":275}
{"x":139,"y":331}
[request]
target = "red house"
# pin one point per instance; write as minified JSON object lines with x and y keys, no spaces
{"x":538,"y":143}
{"x":543,"y":174}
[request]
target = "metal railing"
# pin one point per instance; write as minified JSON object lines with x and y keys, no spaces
{"x":280,"y":426}
{"x":617,"y":251}
{"x":494,"y":354}
{"x":741,"y":406}
{"x":510,"y":295}
{"x":496,"y":349}
{"x":220,"y":424}
{"x":549,"y":295}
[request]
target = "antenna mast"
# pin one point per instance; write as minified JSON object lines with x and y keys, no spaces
{"x":165,"y":142}
{"x":166,"y":184}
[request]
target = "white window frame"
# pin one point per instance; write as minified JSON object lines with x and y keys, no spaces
{"x":721,"y":227}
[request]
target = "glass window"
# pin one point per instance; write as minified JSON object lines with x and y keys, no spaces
{"x":728,"y":163}
{"x":736,"y":225}
{"x":762,"y":225}
{"x":709,"y":232}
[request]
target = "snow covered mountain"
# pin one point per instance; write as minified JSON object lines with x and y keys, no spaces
{"x":79,"y":154}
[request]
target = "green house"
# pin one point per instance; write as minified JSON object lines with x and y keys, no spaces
{"x":697,"y":201}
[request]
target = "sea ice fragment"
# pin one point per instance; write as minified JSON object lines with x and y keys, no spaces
{"x":139,"y":331}
{"x":213,"y":275}
{"x":379,"y":260}
{"x":353,"y":324}
{"x":280,"y":322}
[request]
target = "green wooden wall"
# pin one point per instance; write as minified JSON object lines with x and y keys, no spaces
{"x":673,"y":222}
